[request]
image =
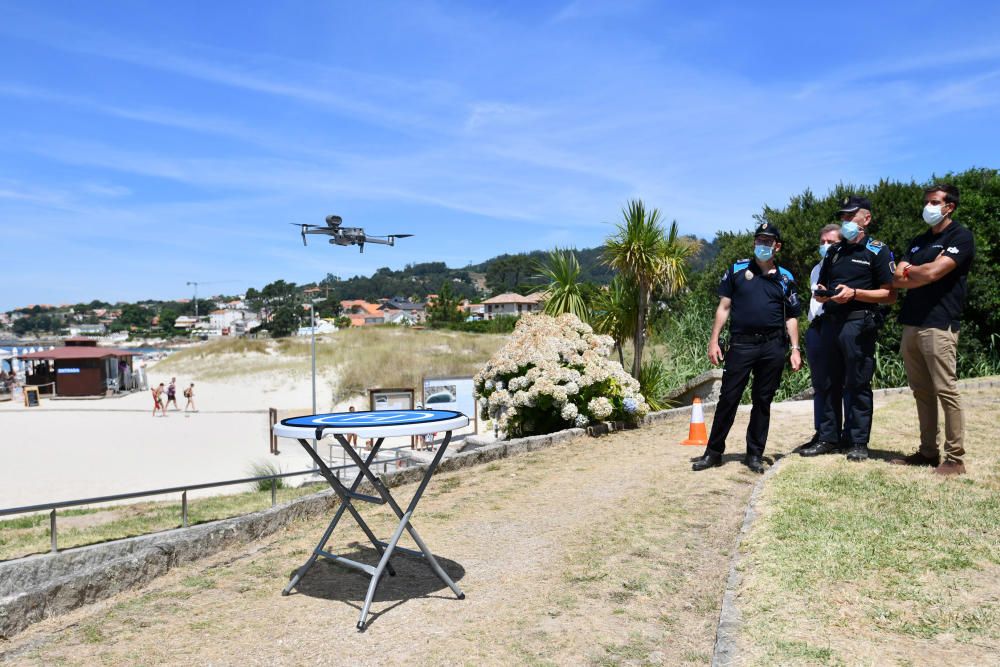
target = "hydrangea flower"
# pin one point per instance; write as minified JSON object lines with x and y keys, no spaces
{"x":552,"y":370}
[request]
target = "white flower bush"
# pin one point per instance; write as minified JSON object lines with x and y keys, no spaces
{"x":553,"y":373}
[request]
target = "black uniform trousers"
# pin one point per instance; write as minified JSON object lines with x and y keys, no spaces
{"x":819,"y":370}
{"x":765,"y":359}
{"x":849,"y":343}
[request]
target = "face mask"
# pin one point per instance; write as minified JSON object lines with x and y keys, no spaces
{"x":850,"y":230}
{"x":823,"y":247}
{"x":763,"y":252}
{"x":933,"y":214}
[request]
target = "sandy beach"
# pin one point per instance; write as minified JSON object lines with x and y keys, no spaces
{"x":70,"y":449}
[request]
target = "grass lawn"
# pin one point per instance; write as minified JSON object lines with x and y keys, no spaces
{"x":877,"y":564}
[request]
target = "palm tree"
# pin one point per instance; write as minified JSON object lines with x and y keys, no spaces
{"x":614,"y":312}
{"x":563,"y":293}
{"x":651,"y":259}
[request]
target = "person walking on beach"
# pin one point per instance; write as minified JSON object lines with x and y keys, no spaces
{"x":765,"y":306}
{"x":172,"y":394}
{"x":158,"y":400}
{"x":189,"y":395}
{"x":934,"y":271}
{"x":352,"y":438}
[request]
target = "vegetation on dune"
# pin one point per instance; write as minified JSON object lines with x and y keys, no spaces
{"x":360,"y":358}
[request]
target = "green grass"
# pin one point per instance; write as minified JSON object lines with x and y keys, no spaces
{"x":846,"y":559}
{"x":27,"y":535}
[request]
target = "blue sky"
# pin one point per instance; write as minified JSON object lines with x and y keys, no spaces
{"x":147,"y":144}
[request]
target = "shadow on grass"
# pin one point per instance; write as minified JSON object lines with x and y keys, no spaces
{"x":414,"y":579}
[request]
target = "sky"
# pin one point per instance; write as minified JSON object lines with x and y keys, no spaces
{"x":145,"y":145}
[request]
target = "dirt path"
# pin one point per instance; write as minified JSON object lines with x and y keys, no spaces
{"x":598,"y":551}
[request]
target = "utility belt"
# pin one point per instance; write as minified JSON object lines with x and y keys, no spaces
{"x":757,"y":337}
{"x":874,"y":319}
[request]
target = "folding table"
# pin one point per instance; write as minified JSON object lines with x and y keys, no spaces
{"x":376,"y":425}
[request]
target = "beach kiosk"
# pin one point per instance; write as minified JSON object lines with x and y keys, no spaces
{"x":81,"y":368}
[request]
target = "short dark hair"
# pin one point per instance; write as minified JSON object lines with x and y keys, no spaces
{"x":950,"y":192}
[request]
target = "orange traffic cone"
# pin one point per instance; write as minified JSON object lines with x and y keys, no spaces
{"x":697,"y":435}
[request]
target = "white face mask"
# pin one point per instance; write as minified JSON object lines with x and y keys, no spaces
{"x":933,"y":214}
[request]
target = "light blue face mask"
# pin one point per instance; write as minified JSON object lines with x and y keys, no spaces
{"x":823,"y":248}
{"x":763,"y":252}
{"x":850,"y":230}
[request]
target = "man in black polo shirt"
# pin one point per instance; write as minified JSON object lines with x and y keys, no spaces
{"x":859,"y":270}
{"x":763,"y":302}
{"x":934,"y":271}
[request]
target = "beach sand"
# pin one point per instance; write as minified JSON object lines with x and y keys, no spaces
{"x":72,"y":449}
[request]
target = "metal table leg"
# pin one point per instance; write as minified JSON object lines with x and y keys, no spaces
{"x":345,"y":504}
{"x":404,"y":524}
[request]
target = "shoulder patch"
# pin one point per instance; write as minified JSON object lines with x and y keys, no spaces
{"x":741,"y":265}
{"x":875,"y":246}
{"x":786,"y":273}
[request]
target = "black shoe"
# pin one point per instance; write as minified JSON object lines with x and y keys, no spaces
{"x":820,"y":448}
{"x":709,"y":459}
{"x":806,"y":445}
{"x":858,"y":453}
{"x":755,"y":463}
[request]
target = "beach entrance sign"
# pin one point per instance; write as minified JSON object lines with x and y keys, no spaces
{"x":31,"y":397}
{"x":390,"y":399}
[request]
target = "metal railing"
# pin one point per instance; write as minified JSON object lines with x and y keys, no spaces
{"x":183,"y":490}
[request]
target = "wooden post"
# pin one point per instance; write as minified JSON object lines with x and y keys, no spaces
{"x":272,"y":419}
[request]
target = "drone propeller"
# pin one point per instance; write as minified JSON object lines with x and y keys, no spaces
{"x":400,"y":236}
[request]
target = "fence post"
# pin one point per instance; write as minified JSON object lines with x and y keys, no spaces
{"x":272,"y":419}
{"x":52,"y":531}
{"x":274,"y":491}
{"x":184,"y":509}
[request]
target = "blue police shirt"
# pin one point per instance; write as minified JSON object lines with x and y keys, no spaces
{"x":760,"y":302}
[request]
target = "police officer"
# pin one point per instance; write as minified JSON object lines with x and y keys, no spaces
{"x":859,"y":271}
{"x":761,"y":297}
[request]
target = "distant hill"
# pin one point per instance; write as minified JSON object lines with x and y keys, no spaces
{"x":503,"y":273}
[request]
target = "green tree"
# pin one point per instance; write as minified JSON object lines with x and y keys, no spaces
{"x":285,"y":320}
{"x":564,"y":293}
{"x":651,"y":259}
{"x":445,"y":308}
{"x":134,"y":315}
{"x":614,"y":312}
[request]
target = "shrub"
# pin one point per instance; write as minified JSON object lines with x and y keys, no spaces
{"x":264,"y":469}
{"x":552,"y":373}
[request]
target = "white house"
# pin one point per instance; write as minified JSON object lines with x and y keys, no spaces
{"x":513,"y":304}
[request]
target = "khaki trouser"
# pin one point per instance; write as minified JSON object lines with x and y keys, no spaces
{"x":930,"y":356}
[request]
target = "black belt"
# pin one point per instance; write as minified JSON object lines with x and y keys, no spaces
{"x":849,"y":315}
{"x":761,"y":337}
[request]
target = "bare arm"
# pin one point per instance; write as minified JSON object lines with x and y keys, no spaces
{"x":792,"y":326}
{"x":721,"y":315}
{"x":909,"y":276}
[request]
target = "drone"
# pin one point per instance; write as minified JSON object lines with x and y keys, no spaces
{"x":347,"y":235}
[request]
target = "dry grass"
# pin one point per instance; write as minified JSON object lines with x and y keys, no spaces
{"x":880,"y":564}
{"x":598,"y":552}
{"x":353,"y":356}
